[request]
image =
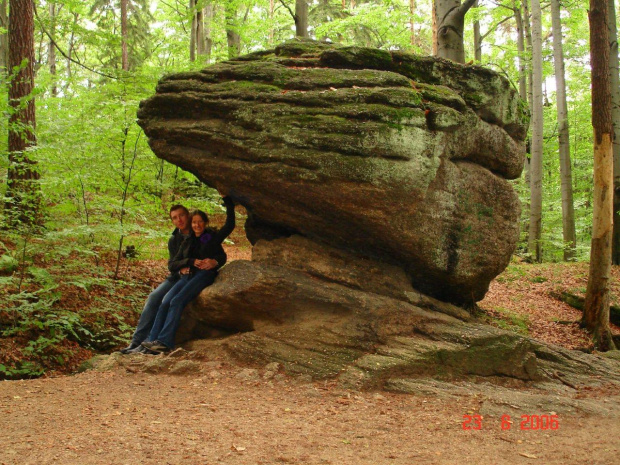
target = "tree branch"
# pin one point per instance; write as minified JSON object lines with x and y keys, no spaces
{"x":62,"y":52}
{"x":495,"y":27}
{"x":464,"y":8}
{"x":287,"y":7}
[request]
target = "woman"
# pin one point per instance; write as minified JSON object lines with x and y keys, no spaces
{"x":198,"y":260}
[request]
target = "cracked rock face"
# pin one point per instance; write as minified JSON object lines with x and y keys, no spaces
{"x":397,"y":158}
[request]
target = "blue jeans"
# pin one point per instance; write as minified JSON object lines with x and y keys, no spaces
{"x":147,"y":317}
{"x":169,"y":313}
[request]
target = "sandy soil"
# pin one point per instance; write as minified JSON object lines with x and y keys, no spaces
{"x":231,"y":415}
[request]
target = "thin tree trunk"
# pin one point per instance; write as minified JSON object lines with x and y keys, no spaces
{"x":528,"y":41}
{"x":566,"y":176}
{"x":192,"y":36}
{"x":596,"y":313}
{"x":530,"y":98}
{"x":535,"y":230}
{"x":521,"y":51}
{"x":208,"y":15}
{"x":200,"y":33}
{"x":51,"y":49}
{"x":4,"y":38}
{"x":125,"y":56}
{"x":615,"y":118}
{"x":232,"y":36}
{"x":411,"y":22}
{"x":434,"y":27}
{"x":301,"y":18}
{"x":477,"y":38}
{"x":70,"y":49}
{"x":23,"y":190}
{"x":450,"y":18}
{"x":271,"y":28}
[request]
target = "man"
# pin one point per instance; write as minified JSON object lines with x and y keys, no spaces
{"x":182,"y":233}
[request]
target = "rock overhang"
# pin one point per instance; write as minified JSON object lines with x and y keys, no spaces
{"x":397,"y":157}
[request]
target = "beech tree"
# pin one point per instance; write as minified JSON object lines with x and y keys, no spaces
{"x":23,"y":194}
{"x":233,"y":38}
{"x":301,"y":18}
{"x":535,"y":229}
{"x":51,"y":48}
{"x":596,"y":311}
{"x":449,"y":22}
{"x":566,"y":176}
{"x":124,"y":54}
{"x":521,"y":50}
{"x":615,"y":118}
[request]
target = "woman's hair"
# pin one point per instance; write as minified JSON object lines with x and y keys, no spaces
{"x":200,"y":213}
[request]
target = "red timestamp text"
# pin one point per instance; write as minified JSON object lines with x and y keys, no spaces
{"x":527,"y":422}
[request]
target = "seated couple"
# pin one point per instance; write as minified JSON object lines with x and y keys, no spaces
{"x":196,"y":253}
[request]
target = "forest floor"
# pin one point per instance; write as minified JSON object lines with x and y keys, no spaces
{"x":228,"y":414}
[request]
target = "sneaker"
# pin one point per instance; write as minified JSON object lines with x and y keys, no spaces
{"x":138,"y":350}
{"x":156,"y":346}
{"x":146,"y":351}
{"x":129,"y":348}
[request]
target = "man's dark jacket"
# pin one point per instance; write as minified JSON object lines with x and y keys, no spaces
{"x":208,"y":245}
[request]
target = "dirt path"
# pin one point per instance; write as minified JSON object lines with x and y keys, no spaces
{"x":231,"y":415}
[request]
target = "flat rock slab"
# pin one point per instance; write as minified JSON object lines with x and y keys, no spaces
{"x":372,"y":341}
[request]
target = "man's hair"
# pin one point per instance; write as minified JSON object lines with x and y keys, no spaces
{"x":178,"y":207}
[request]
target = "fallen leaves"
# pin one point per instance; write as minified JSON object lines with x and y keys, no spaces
{"x":523,"y":291}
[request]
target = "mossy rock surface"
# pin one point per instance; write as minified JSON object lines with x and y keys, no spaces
{"x":400,"y":158}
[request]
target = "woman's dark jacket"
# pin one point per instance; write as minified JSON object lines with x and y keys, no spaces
{"x":208,"y":245}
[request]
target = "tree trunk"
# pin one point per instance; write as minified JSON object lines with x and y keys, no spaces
{"x":23,"y":190}
{"x":4,"y":38}
{"x":70,"y":49}
{"x":450,"y":20}
{"x":301,"y":18}
{"x":615,"y":118}
{"x":534,"y":235}
{"x":528,"y":41}
{"x":232,"y":36}
{"x":51,"y":49}
{"x":566,"y":176}
{"x":411,"y":22}
{"x":192,"y":34}
{"x":272,"y":7}
{"x":477,"y":38}
{"x":530,"y":98}
{"x":596,"y":314}
{"x":521,"y":51}
{"x":200,"y":33}
{"x":208,"y":16}
{"x":434,"y":27}
{"x":125,"y":56}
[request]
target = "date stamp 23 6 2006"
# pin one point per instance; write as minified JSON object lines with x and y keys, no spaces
{"x":528,"y":422}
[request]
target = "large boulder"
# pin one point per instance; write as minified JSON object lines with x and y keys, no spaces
{"x":399,"y":159}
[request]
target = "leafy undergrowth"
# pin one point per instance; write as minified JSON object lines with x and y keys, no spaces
{"x":60,"y":303}
{"x":61,"y":306}
{"x":521,"y":299}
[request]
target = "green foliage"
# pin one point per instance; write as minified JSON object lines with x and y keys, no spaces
{"x":52,"y":310}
